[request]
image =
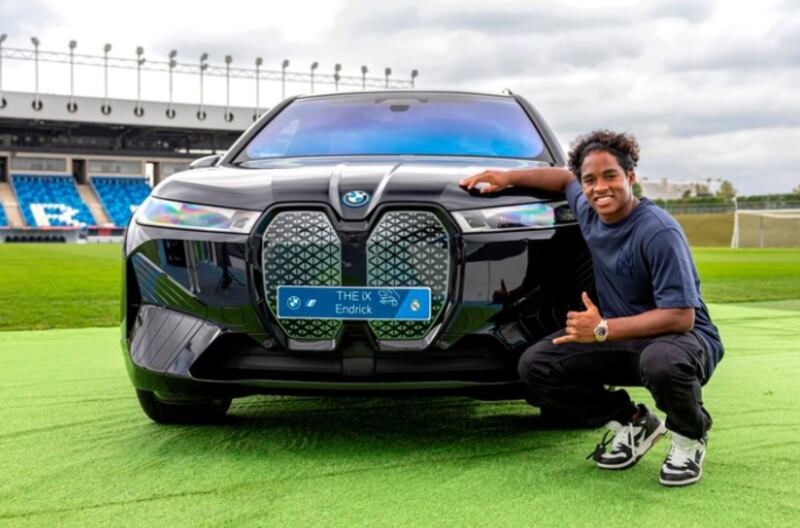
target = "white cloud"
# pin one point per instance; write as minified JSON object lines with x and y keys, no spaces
{"x":708,"y":86}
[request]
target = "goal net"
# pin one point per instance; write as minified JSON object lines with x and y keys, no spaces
{"x":766,"y":228}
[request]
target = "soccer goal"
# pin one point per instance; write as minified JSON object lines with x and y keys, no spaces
{"x":766,"y":228}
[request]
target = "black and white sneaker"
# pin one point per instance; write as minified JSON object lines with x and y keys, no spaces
{"x":629,"y":442}
{"x":684,"y":463}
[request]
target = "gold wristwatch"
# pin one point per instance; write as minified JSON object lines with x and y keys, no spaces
{"x":601,"y":331}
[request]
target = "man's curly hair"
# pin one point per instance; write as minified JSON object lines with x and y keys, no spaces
{"x":622,"y":146}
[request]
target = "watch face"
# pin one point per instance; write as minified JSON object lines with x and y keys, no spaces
{"x":601,"y":331}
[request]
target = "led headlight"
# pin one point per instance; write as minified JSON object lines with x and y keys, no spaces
{"x":515,"y":217}
{"x":179,"y":215}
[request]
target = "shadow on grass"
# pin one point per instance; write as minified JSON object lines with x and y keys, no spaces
{"x":342,"y":428}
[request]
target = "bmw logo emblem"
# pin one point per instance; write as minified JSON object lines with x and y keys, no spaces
{"x":356,"y":198}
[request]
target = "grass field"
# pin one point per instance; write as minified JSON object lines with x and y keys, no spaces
{"x":70,"y":286}
{"x":77,"y":450}
{"x":707,"y":229}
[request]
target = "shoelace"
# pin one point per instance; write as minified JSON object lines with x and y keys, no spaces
{"x":623,"y":436}
{"x":682,"y":451}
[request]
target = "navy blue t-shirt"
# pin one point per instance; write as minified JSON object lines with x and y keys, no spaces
{"x":643,"y":262}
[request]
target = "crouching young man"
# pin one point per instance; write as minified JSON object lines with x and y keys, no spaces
{"x":651,"y":327}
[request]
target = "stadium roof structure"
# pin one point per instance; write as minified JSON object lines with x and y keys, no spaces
{"x":46,"y":122}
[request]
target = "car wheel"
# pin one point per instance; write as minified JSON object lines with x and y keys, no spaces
{"x":182,"y":410}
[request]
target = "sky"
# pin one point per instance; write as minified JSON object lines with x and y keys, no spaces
{"x":709,"y":87}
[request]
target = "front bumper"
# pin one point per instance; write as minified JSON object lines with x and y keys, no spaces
{"x":197,"y":316}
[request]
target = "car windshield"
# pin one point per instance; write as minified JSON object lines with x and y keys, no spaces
{"x":398,"y":124}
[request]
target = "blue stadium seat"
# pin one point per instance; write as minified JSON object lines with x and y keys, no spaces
{"x":50,"y":201}
{"x":120,"y":196}
{"x":3,"y":219}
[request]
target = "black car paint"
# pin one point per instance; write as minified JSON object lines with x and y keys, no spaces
{"x":509,"y":288}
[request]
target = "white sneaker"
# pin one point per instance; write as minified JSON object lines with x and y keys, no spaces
{"x":684,"y":463}
{"x":630,"y":441}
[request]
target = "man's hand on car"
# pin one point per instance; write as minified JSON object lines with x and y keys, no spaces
{"x":496,"y":181}
{"x":581,"y":325}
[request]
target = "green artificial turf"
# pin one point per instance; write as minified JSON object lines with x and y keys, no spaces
{"x":748,"y":275}
{"x":59,"y":285}
{"x":77,"y":451}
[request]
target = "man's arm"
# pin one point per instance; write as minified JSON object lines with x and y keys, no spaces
{"x":581,"y":325}
{"x":553,"y":179}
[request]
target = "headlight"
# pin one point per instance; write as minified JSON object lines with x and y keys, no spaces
{"x":515,"y":217}
{"x":166,"y":213}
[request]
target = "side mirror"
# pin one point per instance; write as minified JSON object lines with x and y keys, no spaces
{"x":205,"y":161}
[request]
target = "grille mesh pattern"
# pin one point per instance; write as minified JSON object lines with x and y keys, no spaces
{"x":409,"y":248}
{"x":300,"y":248}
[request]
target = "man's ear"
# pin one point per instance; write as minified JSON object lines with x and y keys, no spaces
{"x":631,"y":177}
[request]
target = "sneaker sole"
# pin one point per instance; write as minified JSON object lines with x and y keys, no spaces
{"x":644,"y":447}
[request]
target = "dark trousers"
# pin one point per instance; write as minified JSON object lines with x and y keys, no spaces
{"x":572,"y":378}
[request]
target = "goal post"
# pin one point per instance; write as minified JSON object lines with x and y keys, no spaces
{"x":761,"y":228}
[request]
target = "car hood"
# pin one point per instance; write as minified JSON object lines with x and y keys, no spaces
{"x":259,"y":185}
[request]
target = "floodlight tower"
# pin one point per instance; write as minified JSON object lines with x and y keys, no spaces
{"x":259,"y":62}
{"x":228,"y":114}
{"x":414,"y":74}
{"x":364,"y":71}
{"x":314,"y":66}
{"x":106,"y":108}
{"x":172,"y":63}
{"x":336,"y":77}
{"x":71,"y":106}
{"x":138,"y":111}
{"x":37,"y":103}
{"x":387,"y":72}
{"x":284,"y":65}
{"x":201,"y":113}
{"x":2,"y":99}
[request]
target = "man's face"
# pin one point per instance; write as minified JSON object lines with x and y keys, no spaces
{"x":606,"y":186}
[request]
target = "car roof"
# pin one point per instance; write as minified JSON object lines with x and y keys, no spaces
{"x":405,"y":93}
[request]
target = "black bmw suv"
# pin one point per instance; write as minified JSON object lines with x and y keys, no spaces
{"x":332,"y":251}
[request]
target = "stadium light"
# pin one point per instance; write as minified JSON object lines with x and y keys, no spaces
{"x":259,"y":62}
{"x":37,"y":103}
{"x":138,"y":111}
{"x":172,"y":64}
{"x":284,"y":65}
{"x":336,"y":69}
{"x":228,"y":114}
{"x":414,"y":74}
{"x":314,"y":66}
{"x":2,"y":99}
{"x":387,"y":72}
{"x":201,"y":113}
{"x":364,"y":71}
{"x":106,"y":108}
{"x":71,"y":106}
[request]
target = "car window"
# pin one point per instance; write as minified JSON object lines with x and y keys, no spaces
{"x":392,"y":124}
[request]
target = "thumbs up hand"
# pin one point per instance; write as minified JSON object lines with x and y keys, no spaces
{"x":581,"y":325}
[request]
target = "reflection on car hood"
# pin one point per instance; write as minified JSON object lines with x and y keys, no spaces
{"x":262,"y":184}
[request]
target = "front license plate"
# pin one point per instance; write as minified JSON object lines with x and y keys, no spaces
{"x":348,"y":302}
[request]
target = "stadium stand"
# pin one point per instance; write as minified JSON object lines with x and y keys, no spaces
{"x":50,"y":201}
{"x":120,"y":196}
{"x":3,"y":219}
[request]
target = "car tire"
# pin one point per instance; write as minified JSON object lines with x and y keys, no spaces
{"x":183,"y":410}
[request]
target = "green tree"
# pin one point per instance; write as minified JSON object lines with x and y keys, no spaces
{"x":637,"y":189}
{"x":726,"y":191}
{"x":701,"y":189}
